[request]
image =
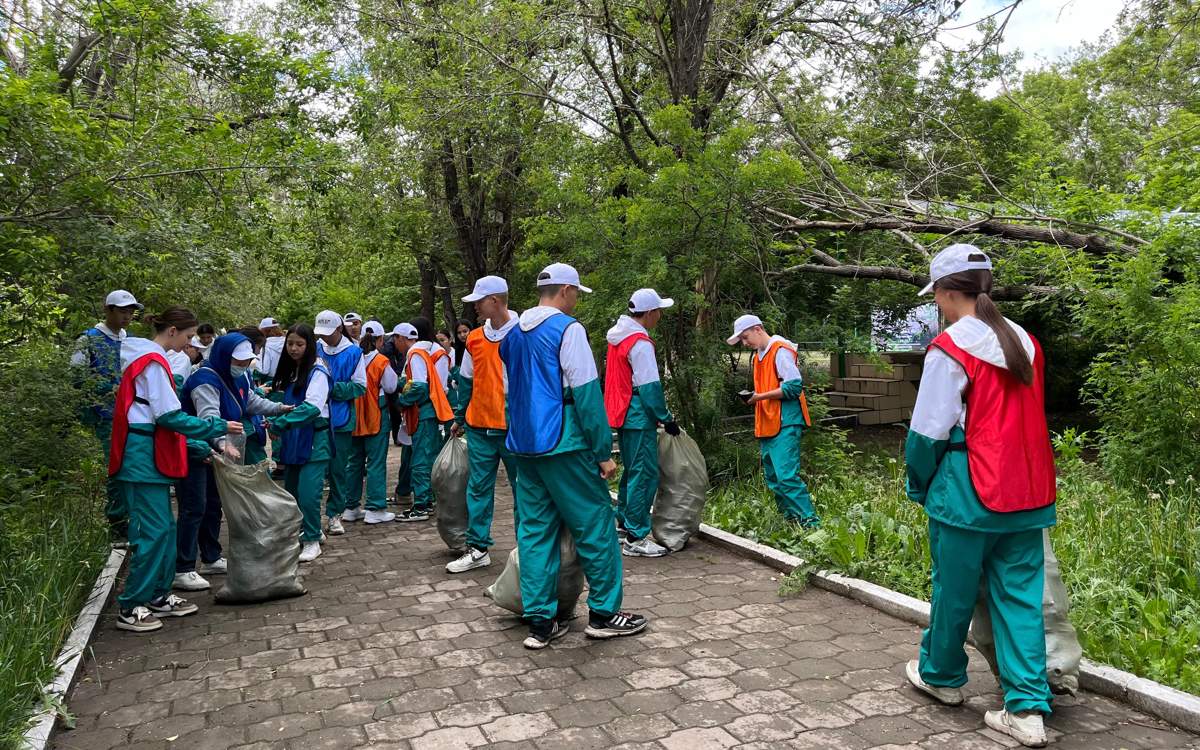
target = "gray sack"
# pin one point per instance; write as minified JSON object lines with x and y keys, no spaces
{"x":264,"y":527}
{"x":451,"y":470}
{"x":1063,"y":651}
{"x":506,"y":591}
{"x":682,"y":490}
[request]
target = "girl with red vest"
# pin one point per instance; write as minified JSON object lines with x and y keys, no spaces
{"x":979,"y":460}
{"x":149,"y":453}
{"x":369,"y":449}
{"x":426,"y":408}
{"x":780,"y":415}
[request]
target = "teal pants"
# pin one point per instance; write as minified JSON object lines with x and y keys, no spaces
{"x":425,"y":447}
{"x":339,"y":473}
{"x":305,"y":482}
{"x":639,"y":480}
{"x":114,"y":502}
{"x":781,"y":469}
{"x":151,"y":541}
{"x":404,"y":475}
{"x":1013,"y":566}
{"x":566,"y":488}
{"x":368,"y":454}
{"x":484,"y":453}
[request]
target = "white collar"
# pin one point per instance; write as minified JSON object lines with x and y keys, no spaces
{"x":493,"y":335}
{"x":102,"y":327}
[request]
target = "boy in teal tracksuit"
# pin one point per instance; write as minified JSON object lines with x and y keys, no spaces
{"x":344,"y":361}
{"x":633,"y":397}
{"x":425,"y":406}
{"x":560,"y":437}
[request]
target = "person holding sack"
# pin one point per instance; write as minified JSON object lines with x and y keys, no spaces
{"x":344,"y":361}
{"x":780,"y":415}
{"x":634,"y":400}
{"x":400,"y":340}
{"x":481,"y":414}
{"x":979,"y":460}
{"x":306,"y":436}
{"x":221,"y":388}
{"x":426,"y":408}
{"x":149,"y":453}
{"x":560,"y":437}
{"x":372,"y":430}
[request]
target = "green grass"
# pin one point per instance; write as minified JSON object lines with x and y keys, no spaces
{"x":1130,"y":555}
{"x":53,"y":542}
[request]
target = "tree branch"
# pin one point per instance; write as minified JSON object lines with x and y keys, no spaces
{"x":903,"y":275}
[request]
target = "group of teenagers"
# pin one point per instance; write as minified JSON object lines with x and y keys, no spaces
{"x":525,"y":391}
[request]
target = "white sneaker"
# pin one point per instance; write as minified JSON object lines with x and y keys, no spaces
{"x":310,"y":551}
{"x":379,"y":516}
{"x":646,"y":547}
{"x":470,"y":561}
{"x":1026,"y":728}
{"x":219,"y":567}
{"x":949,"y":696}
{"x":334,"y":527}
{"x":353,"y":514}
{"x":190,"y":581}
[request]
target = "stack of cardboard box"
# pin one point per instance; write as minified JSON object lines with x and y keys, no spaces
{"x":875,"y":389}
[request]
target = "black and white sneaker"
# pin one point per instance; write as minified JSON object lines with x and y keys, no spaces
{"x":172,"y":606}
{"x":413,"y":514}
{"x":620,"y":624}
{"x":138,"y":620}
{"x":542,"y":632}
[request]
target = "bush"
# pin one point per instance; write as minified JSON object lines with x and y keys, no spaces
{"x":1130,"y":555}
{"x":53,"y":536}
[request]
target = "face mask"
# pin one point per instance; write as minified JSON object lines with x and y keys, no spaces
{"x":237,"y":371}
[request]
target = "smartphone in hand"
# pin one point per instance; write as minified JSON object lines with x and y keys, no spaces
{"x":745,"y":396}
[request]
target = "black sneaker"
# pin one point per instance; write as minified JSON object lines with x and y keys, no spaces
{"x":620,"y":624}
{"x":541,"y":632}
{"x":413,"y":514}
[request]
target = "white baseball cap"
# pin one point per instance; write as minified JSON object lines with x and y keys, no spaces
{"x":266,"y":323}
{"x":645,"y":300}
{"x":487,"y":286}
{"x":740,"y":326}
{"x":407,"y":330}
{"x":242,"y":351}
{"x":327,"y":322}
{"x":373,"y":327}
{"x":121,"y":298}
{"x":352,"y":317}
{"x":560,"y":273}
{"x":955,"y":259}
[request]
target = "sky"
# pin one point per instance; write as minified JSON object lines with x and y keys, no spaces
{"x":1043,"y":30}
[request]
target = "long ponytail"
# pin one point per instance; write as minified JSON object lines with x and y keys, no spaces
{"x":978,"y":284}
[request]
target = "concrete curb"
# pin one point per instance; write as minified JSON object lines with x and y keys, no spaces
{"x":1171,"y":705}
{"x":37,"y":737}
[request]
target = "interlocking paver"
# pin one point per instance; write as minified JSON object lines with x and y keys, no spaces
{"x":389,"y":651}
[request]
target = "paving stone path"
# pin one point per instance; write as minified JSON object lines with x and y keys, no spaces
{"x":389,"y":651}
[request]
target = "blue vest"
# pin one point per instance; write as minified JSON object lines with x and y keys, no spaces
{"x":104,"y":359}
{"x":341,"y":368}
{"x":535,"y":391}
{"x":297,"y":443}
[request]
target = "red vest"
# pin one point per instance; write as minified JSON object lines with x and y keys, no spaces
{"x":618,"y":379}
{"x":170,"y":448}
{"x":1008,"y":443}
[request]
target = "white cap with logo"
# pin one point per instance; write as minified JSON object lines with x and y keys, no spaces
{"x":266,"y":323}
{"x":352,"y":317}
{"x":327,"y":322}
{"x":405,"y":330}
{"x":645,"y":300}
{"x":740,"y":326}
{"x":121,"y":298}
{"x":560,"y":273}
{"x":373,"y":327}
{"x":955,"y":259}
{"x":486,"y":287}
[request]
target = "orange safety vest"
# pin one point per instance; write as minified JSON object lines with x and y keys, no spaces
{"x":366,"y":406}
{"x":768,"y":414}
{"x":441,"y":405}
{"x":486,"y":408}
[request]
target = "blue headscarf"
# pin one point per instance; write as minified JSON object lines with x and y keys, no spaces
{"x":216,"y":373}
